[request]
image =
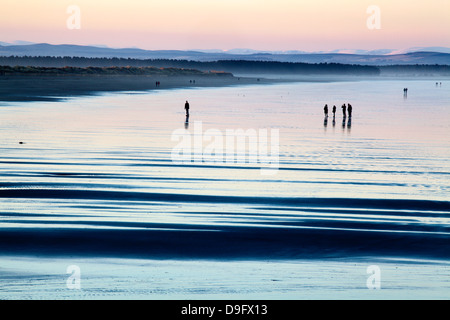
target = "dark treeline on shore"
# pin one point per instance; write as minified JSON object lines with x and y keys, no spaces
{"x":416,"y":69}
{"x":233,"y":66}
{"x":151,"y":71}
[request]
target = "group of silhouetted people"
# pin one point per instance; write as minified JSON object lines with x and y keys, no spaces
{"x":345,"y":108}
{"x":157,"y":83}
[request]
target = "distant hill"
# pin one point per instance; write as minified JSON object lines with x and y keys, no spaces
{"x":368,"y":58}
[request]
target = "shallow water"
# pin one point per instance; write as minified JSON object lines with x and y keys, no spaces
{"x":94,"y":176}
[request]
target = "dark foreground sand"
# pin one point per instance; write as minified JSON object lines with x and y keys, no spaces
{"x":50,"y":88}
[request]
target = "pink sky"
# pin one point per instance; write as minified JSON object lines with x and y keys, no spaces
{"x":227,"y":24}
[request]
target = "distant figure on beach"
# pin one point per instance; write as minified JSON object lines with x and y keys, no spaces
{"x":334,"y":111}
{"x":343,"y":110}
{"x":186,"y":107}
{"x":325,"y":110}
{"x":349,"y":109}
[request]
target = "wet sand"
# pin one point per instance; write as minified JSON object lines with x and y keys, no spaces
{"x":54,"y":88}
{"x":94,"y":185}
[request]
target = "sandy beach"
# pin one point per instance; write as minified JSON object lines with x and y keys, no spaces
{"x":53,"y":88}
{"x":89,"y":181}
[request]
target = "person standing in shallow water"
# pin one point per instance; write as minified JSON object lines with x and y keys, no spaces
{"x":343,"y":110}
{"x":186,"y":107}
{"x":349,"y":109}
{"x":325,"y":110}
{"x":334,"y":111}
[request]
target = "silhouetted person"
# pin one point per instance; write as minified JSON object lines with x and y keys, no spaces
{"x":334,"y":111}
{"x":325,"y":110}
{"x":343,"y":110}
{"x":186,"y":107}
{"x":349,"y":109}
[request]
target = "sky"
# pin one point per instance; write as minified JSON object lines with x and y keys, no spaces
{"x":276,"y":25}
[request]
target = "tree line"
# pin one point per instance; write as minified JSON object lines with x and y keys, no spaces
{"x":66,"y":70}
{"x":236,"y":66}
{"x":232,"y":66}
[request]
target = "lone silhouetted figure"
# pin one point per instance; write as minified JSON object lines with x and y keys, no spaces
{"x":349,"y":109}
{"x":325,"y":110}
{"x":343,"y":110}
{"x":334,"y":111}
{"x":186,"y":107}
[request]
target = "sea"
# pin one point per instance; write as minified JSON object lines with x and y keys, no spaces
{"x":256,"y":195}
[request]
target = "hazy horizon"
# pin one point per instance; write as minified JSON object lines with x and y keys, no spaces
{"x":379,"y":51}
